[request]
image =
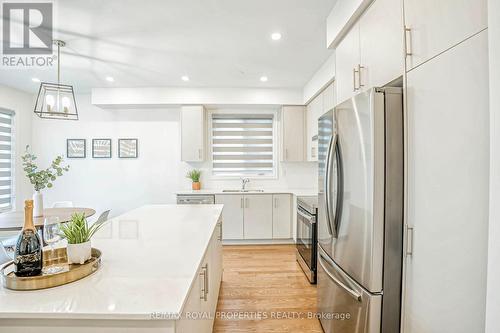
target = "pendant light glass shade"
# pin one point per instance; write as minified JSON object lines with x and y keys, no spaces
{"x":56,"y":100}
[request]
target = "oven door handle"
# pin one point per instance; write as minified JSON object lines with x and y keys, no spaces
{"x":309,"y":218}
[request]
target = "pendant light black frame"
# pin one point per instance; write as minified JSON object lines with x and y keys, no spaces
{"x":46,"y":87}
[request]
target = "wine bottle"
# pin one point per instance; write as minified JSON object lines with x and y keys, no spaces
{"x":28,"y":257}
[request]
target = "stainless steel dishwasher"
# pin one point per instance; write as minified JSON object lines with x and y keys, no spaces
{"x":195,"y":199}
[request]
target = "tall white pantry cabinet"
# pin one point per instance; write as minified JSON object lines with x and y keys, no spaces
{"x":441,"y":47}
{"x":447,"y":166}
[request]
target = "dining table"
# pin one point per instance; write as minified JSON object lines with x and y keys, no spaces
{"x":11,"y":221}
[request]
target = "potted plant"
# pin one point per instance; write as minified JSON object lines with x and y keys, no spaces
{"x":43,"y":178}
{"x":195,"y":175}
{"x":78,"y":234}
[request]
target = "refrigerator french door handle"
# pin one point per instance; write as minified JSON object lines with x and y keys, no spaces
{"x":351,"y":292}
{"x":333,"y":153}
{"x":340,"y":189}
{"x":327,"y":184}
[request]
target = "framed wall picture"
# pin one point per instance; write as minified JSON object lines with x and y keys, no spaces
{"x":101,"y":148}
{"x":128,"y":148}
{"x":76,"y":148}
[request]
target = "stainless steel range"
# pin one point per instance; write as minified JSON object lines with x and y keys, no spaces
{"x":307,"y":235}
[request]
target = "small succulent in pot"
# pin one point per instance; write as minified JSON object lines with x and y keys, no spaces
{"x":78,"y":234}
{"x":195,"y":175}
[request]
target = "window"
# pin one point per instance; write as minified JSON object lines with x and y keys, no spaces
{"x":243,"y":145}
{"x":6,"y":194}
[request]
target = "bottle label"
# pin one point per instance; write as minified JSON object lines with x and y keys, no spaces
{"x":27,"y":258}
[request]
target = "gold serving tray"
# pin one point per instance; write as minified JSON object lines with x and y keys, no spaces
{"x":70,"y":272}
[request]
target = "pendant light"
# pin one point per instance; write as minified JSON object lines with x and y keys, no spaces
{"x":56,"y":100}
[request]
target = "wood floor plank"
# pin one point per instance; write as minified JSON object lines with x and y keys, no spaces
{"x":264,"y":290}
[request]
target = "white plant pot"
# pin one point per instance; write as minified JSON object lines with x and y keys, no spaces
{"x":79,"y":253}
{"x":37,"y":204}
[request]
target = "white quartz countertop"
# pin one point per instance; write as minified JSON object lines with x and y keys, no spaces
{"x":295,"y":191}
{"x":150,"y":258}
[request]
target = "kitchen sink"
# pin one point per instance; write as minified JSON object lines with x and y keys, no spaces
{"x":242,"y":191}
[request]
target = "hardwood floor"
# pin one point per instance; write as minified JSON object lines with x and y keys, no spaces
{"x":264,"y":290}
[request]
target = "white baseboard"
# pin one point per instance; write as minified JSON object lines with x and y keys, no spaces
{"x":257,"y":241}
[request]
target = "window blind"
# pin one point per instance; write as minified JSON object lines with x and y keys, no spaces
{"x":242,"y":145}
{"x":6,"y":192}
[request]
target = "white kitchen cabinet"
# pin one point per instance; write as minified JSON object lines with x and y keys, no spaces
{"x":320,"y":104}
{"x":215,"y":268}
{"x":314,"y":108}
{"x":435,"y":26}
{"x":381,"y":44}
{"x":328,"y":99}
{"x":371,"y":54}
{"x":193,"y":133}
{"x":448,"y":163}
{"x":232,"y":215}
{"x":193,"y":304}
{"x":204,"y":293}
{"x":293,"y":128}
{"x":258,"y":216}
{"x":282,"y":218}
{"x":347,"y":57}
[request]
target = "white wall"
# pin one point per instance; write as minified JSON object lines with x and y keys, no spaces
{"x":22,"y":104}
{"x":164,"y":96}
{"x":119,"y":184}
{"x":493,"y":291}
{"x":323,"y":76}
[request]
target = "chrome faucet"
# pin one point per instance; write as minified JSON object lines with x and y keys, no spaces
{"x":244,"y":182}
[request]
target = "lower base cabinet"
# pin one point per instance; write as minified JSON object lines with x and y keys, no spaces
{"x":256,"y":216}
{"x":199,"y":310}
{"x":282,"y":216}
{"x":232,"y":215}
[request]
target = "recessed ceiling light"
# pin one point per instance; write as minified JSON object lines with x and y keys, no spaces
{"x":185,"y":78}
{"x":35,"y":79}
{"x":110,"y":79}
{"x":276,"y":36}
{"x":263,"y":78}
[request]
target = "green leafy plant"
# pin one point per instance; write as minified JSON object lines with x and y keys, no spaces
{"x":194,"y":175}
{"x":77,"y":230}
{"x":44,"y":177}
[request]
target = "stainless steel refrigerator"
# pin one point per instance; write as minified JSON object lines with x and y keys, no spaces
{"x":360,"y":213}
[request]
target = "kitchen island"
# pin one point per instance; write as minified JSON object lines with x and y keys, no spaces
{"x":161,"y":271}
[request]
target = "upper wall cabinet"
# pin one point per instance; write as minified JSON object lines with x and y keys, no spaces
{"x":434,"y":26}
{"x":347,"y":56}
{"x":314,"y":110}
{"x":293,"y":133}
{"x":328,"y":97}
{"x":322,"y":103}
{"x":371,"y":54}
{"x":381,"y":44}
{"x":193,"y":133}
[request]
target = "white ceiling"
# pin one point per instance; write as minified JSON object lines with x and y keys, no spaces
{"x":217,"y":43}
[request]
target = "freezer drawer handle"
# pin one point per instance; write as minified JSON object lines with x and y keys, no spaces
{"x":351,"y":292}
